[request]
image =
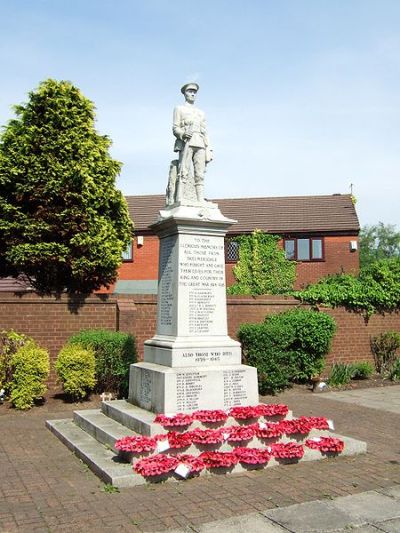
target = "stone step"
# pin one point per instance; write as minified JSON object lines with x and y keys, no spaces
{"x":141,"y":421}
{"x":102,"y":461}
{"x":99,"y":426}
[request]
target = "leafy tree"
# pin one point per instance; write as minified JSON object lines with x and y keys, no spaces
{"x":262,"y":267}
{"x":63,"y":224}
{"x":377,"y":242}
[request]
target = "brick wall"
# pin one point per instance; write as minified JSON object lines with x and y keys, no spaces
{"x":52,"y":321}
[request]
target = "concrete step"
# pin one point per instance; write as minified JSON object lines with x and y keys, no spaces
{"x":99,"y":426}
{"x":102,"y":461}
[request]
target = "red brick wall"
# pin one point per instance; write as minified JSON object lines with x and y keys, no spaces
{"x":51,"y":322}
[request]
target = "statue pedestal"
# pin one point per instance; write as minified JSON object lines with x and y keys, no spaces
{"x":191,"y":363}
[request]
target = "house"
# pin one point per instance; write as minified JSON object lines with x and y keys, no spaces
{"x":319,"y":232}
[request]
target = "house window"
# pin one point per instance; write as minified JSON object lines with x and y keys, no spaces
{"x":127,"y":255}
{"x":310,"y":249}
{"x":231,"y":251}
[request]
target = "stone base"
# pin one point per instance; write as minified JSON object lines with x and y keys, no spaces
{"x":162,"y":389}
{"x":192,"y":351}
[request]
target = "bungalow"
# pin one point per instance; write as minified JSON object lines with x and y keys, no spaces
{"x":319,"y":232}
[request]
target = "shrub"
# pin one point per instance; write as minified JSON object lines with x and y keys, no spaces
{"x":30,"y":367}
{"x":114,"y":352}
{"x":395,"y":371}
{"x":341,"y":374}
{"x":384,"y":348}
{"x":287,"y":347}
{"x":10,"y":342}
{"x":362,"y":370}
{"x":75,"y":367}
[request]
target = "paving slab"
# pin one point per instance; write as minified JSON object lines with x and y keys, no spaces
{"x":390,"y":526}
{"x":384,"y":398}
{"x":251,"y":523}
{"x":368,"y":506}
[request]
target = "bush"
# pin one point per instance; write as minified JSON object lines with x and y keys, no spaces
{"x":114,"y":352}
{"x":362,"y":370}
{"x":75,"y":367}
{"x":30,"y":368}
{"x":384,"y":348}
{"x":10,"y":342}
{"x":341,"y":374}
{"x":287,"y":347}
{"x":376,"y":289}
{"x":395,"y":371}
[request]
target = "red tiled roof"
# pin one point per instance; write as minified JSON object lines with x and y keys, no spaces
{"x":282,"y":215}
{"x":14,"y":285}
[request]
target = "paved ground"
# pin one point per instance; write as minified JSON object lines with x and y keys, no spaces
{"x":43,"y":487}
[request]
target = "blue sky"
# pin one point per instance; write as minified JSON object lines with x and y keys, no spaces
{"x":302,"y":96}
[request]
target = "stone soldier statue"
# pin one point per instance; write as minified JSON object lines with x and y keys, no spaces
{"x":193,"y":146}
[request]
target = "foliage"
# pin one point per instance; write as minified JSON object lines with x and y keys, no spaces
{"x":378,"y":242}
{"x":262,"y":267}
{"x":362,"y":370}
{"x":384,"y":348}
{"x":288,"y":346}
{"x":30,"y":368}
{"x":10,"y":342}
{"x":63,"y":224}
{"x":75,"y":367}
{"x":114,"y":352}
{"x":341,"y":374}
{"x":376,"y":289}
{"x":395,"y":371}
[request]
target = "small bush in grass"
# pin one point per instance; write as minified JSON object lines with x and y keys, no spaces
{"x":341,"y":374}
{"x":362,"y":370}
{"x":395,"y":371}
{"x":289,"y":346}
{"x":30,"y":369}
{"x":114,"y":353}
{"x":75,"y":367}
{"x":384,"y":348}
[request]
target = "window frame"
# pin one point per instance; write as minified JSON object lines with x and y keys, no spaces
{"x":129,"y":260}
{"x":310,"y":248}
{"x":228,"y":241}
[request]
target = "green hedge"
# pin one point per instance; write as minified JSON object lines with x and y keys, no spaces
{"x":30,"y":370}
{"x":287,"y":347}
{"x":114,"y":353}
{"x":75,"y":367}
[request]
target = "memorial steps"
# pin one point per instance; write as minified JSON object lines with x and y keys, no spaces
{"x":92,"y":434}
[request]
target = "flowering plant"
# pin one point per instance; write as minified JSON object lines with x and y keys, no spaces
{"x":155,"y":465}
{"x":210,"y":415}
{"x":180,"y":419}
{"x":177,"y":440}
{"x":287,"y":450}
{"x":206,"y":436}
{"x":270,"y":430}
{"x":326,"y":444}
{"x":218,"y":459}
{"x":252,"y":456}
{"x":136,"y":444}
{"x":239,"y":433}
{"x":271,"y":409}
{"x":244,"y":413}
{"x":195,"y":463}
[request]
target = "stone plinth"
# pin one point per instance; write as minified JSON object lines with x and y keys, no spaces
{"x":191,"y":363}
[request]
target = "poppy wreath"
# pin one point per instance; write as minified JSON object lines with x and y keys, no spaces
{"x":318,"y":422}
{"x":180,"y":419}
{"x":271,"y":409}
{"x":252,"y":456}
{"x":219,"y":459}
{"x":210,"y":415}
{"x":326,"y":444}
{"x":207,"y":436}
{"x":155,"y":465}
{"x":194,"y":463}
{"x":271,"y":430}
{"x":240,"y":433}
{"x":244,"y":413}
{"x":176,"y":439}
{"x":136,"y":444}
{"x":287,"y":450}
